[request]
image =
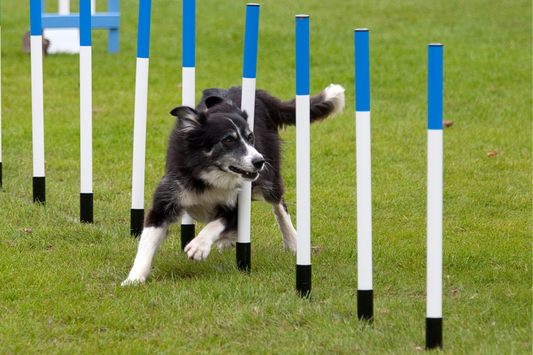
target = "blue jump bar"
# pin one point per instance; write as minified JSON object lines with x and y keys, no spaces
{"x":362,"y":70}
{"x":189,"y":33}
{"x":85,"y":22}
{"x":302,"y":55}
{"x":143,"y":36}
{"x":110,"y":20}
{"x":251,"y":35}
{"x":435,"y":85}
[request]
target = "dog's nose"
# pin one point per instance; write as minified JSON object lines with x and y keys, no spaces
{"x":258,"y":162}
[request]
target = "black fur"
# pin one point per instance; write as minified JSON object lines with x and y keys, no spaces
{"x":196,"y":134}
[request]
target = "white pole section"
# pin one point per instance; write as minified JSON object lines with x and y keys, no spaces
{"x":64,"y":7}
{"x":36,"y":42}
{"x":364,"y":177}
{"x":188,"y":91}
{"x":141,"y":106}
{"x":251,"y":36}
{"x":303,"y":159}
{"x":86,"y":149}
{"x":434,"y":199}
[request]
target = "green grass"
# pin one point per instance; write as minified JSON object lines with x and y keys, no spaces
{"x":60,"y":280}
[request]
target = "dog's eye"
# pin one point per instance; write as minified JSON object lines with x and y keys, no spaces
{"x":229,"y":140}
{"x":251,"y":138}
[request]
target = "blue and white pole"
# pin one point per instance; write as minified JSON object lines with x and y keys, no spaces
{"x":86,"y":149}
{"x":251,"y":37}
{"x":141,"y":107}
{"x":188,"y":91}
{"x":365,"y":291}
{"x":303,"y":159}
{"x":0,"y":104}
{"x":37,"y":111}
{"x":434,"y":199}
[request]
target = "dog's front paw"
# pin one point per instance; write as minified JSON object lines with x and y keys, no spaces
{"x":131,"y":281}
{"x":137,"y":276}
{"x":197,"y":250}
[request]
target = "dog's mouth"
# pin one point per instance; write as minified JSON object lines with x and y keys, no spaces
{"x":245,"y":174}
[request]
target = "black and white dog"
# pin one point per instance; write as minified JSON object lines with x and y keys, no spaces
{"x":211,"y":152}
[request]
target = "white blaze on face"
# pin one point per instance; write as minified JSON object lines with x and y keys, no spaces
{"x":251,"y":153}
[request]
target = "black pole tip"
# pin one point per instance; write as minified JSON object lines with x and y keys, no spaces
{"x":39,"y":189}
{"x":244,"y":256}
{"x":303,"y":280}
{"x":187,"y":234}
{"x":365,"y":305}
{"x":137,"y":222}
{"x":86,"y":207}
{"x":433,"y":333}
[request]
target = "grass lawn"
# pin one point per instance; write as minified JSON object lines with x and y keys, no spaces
{"x":60,"y":280}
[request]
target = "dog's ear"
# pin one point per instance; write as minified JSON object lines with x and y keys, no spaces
{"x":213,"y":101}
{"x":187,"y":118}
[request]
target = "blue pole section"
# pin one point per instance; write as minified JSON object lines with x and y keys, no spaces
{"x":251,"y":36}
{"x":434,"y":199}
{"x":435,"y":85}
{"x":143,"y":34}
{"x":365,"y":292}
{"x":189,"y":33}
{"x":188,"y":92}
{"x":303,"y":160}
{"x":141,"y":106}
{"x":362,"y":70}
{"x":86,"y":169}
{"x":302,"y":55}
{"x":39,"y":186}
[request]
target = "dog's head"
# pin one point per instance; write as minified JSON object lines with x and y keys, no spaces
{"x":222,"y":135}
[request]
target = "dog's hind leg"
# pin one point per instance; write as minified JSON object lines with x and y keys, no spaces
{"x":285,"y":225}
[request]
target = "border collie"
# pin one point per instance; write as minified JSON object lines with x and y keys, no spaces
{"x":211,"y":152}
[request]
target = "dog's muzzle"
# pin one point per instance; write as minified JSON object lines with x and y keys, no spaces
{"x":258,"y":164}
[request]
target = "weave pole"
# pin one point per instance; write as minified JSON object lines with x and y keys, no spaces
{"x":188,"y":91}
{"x":86,"y":149}
{"x":141,"y":107}
{"x":0,"y":104}
{"x":365,"y":291}
{"x":251,"y":36}
{"x":37,"y":105}
{"x":434,"y":198}
{"x":303,"y":159}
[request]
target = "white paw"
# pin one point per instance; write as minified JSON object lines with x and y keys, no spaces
{"x":225,"y":243}
{"x":289,"y":242}
{"x":133,"y":281}
{"x":198,"y":250}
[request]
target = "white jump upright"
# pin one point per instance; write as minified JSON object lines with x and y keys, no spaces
{"x":37,"y":104}
{"x":251,"y":36}
{"x":86,"y":149}
{"x":303,"y":159}
{"x":188,"y":92}
{"x":141,"y":107}
{"x":365,"y":291}
{"x":434,"y":198}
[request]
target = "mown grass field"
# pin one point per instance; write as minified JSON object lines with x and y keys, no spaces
{"x":60,"y":280}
